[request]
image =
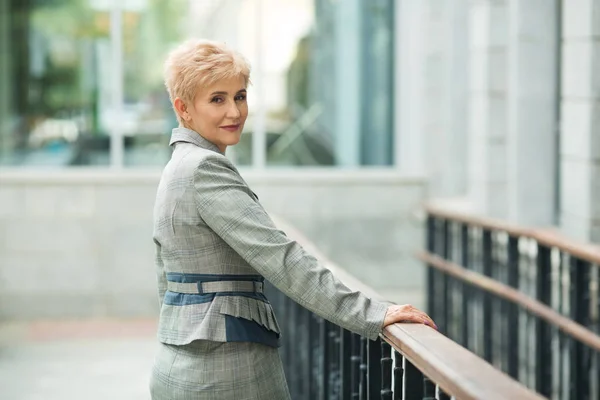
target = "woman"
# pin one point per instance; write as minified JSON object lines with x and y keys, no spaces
{"x":215,"y":245}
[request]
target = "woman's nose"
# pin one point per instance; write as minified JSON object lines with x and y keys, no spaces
{"x":233,"y":111}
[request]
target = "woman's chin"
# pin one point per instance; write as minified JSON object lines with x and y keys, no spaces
{"x":233,"y":139}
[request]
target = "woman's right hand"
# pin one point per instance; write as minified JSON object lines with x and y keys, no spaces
{"x":406,"y":313}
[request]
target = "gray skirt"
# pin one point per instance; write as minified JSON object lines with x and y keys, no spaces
{"x":207,"y":370}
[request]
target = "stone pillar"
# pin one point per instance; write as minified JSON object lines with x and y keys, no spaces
{"x":488,"y":107}
{"x":532,"y":111}
{"x":580,"y":120}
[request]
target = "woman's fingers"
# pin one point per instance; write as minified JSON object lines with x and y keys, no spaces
{"x":407,"y":313}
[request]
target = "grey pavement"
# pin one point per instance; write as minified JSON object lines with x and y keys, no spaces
{"x":68,"y":361}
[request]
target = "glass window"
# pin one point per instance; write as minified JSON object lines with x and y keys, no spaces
{"x":337,"y":86}
{"x":56,"y":81}
{"x":322,"y":72}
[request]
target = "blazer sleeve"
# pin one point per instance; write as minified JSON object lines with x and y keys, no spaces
{"x":225,"y":203}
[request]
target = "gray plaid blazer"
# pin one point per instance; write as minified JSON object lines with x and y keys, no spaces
{"x":215,"y":245}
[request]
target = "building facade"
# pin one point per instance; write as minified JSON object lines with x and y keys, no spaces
{"x":377,"y":108}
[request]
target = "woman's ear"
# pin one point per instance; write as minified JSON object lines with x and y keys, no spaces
{"x":181,"y":109}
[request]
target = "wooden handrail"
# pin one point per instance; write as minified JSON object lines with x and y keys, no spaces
{"x":548,"y":237}
{"x":458,"y":371}
{"x":575,"y":330}
{"x":455,"y":369}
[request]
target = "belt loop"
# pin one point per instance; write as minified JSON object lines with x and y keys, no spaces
{"x":199,"y":285}
{"x":258,"y":287}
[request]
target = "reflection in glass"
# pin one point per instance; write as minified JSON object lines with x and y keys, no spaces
{"x":327,"y":78}
{"x":55,"y":81}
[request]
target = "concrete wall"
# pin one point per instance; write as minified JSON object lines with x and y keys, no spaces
{"x":488,"y":101}
{"x":580,"y":127}
{"x":79,"y":242}
{"x":488,"y":106}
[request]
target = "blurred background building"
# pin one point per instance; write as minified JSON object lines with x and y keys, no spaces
{"x":361,"y":111}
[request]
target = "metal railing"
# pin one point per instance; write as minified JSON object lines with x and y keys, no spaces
{"x":525,"y":300}
{"x":408,"y":361}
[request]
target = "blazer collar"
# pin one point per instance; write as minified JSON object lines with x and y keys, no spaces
{"x":189,"y":136}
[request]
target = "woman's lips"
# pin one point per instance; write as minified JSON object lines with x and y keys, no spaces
{"x":231,"y":128}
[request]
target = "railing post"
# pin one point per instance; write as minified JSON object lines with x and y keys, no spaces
{"x":513,"y":309}
{"x":428,"y":389}
{"x":487,"y":303}
{"x":374,"y":369}
{"x":441,"y":395}
{"x":398,"y":376}
{"x":544,"y":335}
{"x":309,"y":321}
{"x":579,"y":303}
{"x":364,"y":382}
{"x":356,"y":362}
{"x":431,"y":233}
{"x":386,"y":371}
{"x":466,"y":290}
{"x":324,"y":336}
{"x":413,"y":382}
{"x":443,"y":298}
{"x":346,"y":364}
{"x":316,"y":385}
{"x":292,"y":356}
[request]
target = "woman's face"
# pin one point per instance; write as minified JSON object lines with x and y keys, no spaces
{"x":219,"y":112}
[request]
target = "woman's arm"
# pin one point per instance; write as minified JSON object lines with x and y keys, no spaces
{"x":225,"y":203}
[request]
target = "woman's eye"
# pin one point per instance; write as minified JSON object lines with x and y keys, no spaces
{"x":217,"y":100}
{"x":240,"y":97}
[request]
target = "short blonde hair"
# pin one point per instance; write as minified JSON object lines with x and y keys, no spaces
{"x":197,"y":62}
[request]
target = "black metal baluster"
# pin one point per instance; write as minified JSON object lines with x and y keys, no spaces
{"x":374,"y":369}
{"x":466,"y":290}
{"x":487,"y":303}
{"x":430,"y":270}
{"x":544,"y":335}
{"x":513,"y":309}
{"x":334,"y":358}
{"x":413,"y":382}
{"x":503,"y":310}
{"x":317,"y":359}
{"x":398,"y":376}
{"x":580,"y":311}
{"x":428,"y":389}
{"x":441,"y":395}
{"x":386,"y":371}
{"x":308,"y":367}
{"x":292,"y":356}
{"x":346,"y":364}
{"x":324,"y":333}
{"x":355,"y":367}
{"x":363,"y":368}
{"x":302,"y":355}
{"x":495,"y":335}
{"x":443,"y":298}
{"x":559,"y":356}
